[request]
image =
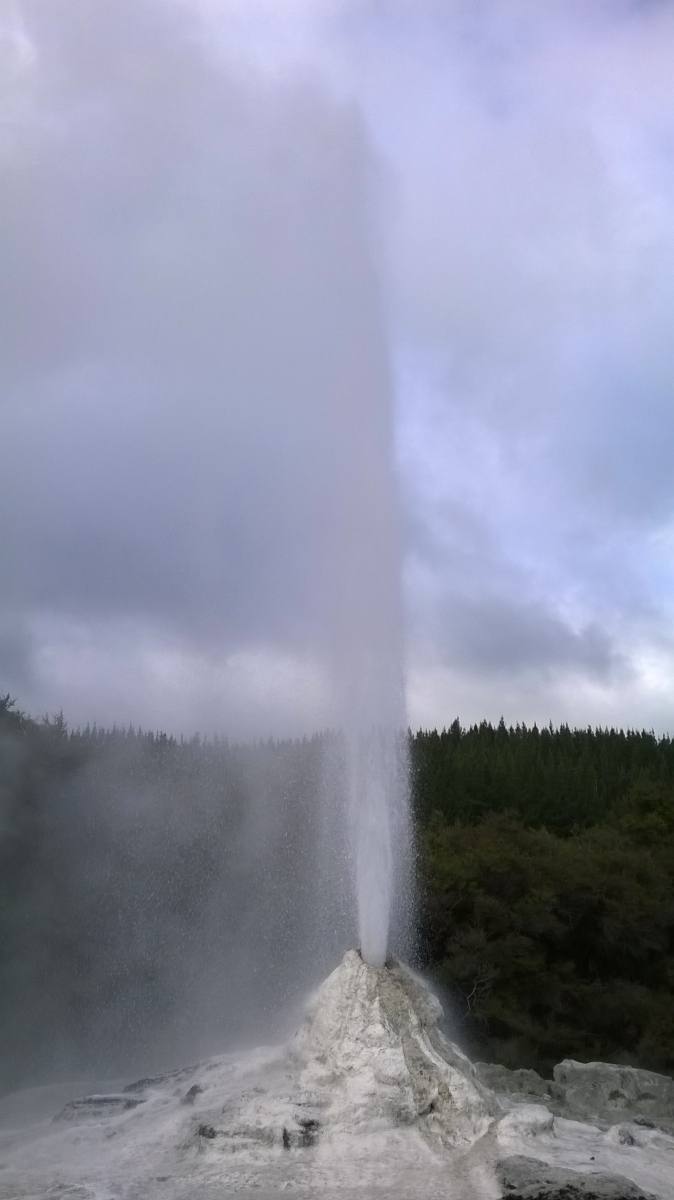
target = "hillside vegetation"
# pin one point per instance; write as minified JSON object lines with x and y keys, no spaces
{"x":547,"y":868}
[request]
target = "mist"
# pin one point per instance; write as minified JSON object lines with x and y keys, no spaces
{"x":162,"y":900}
{"x":197,"y":368}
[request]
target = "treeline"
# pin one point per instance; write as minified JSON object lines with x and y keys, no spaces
{"x":563,"y":779}
{"x":153,"y":886}
{"x":547,"y":867}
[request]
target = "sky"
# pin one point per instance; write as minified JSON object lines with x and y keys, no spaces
{"x":221,"y":222}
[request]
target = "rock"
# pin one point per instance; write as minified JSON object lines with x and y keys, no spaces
{"x":371,"y":1046}
{"x":523,"y":1085}
{"x":142,"y":1085}
{"x":369,"y":1061}
{"x":615,"y":1094}
{"x":603,"y":1093}
{"x":97,"y":1108}
{"x":530,"y":1179}
{"x":526,"y":1122}
{"x":306,"y":1135}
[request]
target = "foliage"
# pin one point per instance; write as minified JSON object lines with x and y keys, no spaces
{"x":547,"y":859}
{"x":556,"y":946}
{"x":560,"y":778}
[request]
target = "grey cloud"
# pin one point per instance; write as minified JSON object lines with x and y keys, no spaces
{"x":624,"y":443}
{"x":531,"y":256}
{"x":187,"y":273}
{"x":16,"y":653}
{"x":490,"y":635}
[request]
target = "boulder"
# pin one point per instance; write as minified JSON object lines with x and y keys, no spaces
{"x":530,"y":1179}
{"x":522,"y":1085}
{"x":598,"y":1091}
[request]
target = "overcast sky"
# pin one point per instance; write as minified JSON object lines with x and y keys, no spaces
{"x":210,"y":213}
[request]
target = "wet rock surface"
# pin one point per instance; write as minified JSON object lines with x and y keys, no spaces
{"x":522,"y":1085}
{"x":613,"y":1093}
{"x":525,"y":1178}
{"x":93,"y":1108}
{"x":371,"y":1046}
{"x":601,"y":1093}
{"x":153,"y":1081}
{"x":369,"y":1099}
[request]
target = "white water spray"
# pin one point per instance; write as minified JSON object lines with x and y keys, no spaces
{"x":368,"y":646}
{"x":377,"y":801}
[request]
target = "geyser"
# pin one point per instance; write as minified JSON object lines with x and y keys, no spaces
{"x":367,"y":652}
{"x":378,"y":781}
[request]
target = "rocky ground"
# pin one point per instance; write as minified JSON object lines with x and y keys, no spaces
{"x":368,"y":1099}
